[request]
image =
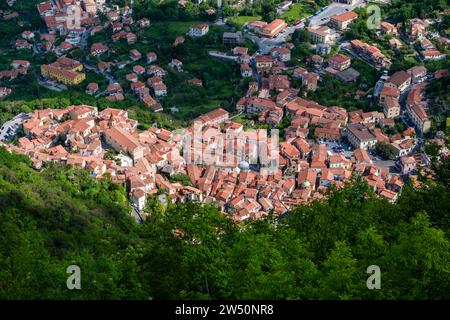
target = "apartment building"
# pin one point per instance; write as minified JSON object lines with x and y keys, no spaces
{"x":64,"y":70}
{"x":341,"y":21}
{"x":360,"y":136}
{"x":122,"y":141}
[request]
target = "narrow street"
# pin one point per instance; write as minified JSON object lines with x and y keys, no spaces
{"x":9,"y":128}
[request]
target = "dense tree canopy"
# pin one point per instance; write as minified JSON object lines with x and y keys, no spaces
{"x":61,"y":216}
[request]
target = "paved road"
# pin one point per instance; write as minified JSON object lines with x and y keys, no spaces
{"x":84,"y":39}
{"x":266,"y":44}
{"x":220,"y":20}
{"x":384,"y":163}
{"x":323,"y":17}
{"x":136,"y":215}
{"x":9,"y":128}
{"x":222,"y":55}
{"x":55,"y":87}
{"x":347,"y":153}
{"x":88,"y":66}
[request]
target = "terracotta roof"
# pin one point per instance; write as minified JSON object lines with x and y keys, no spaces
{"x":124,"y":139}
{"x":399,"y":78}
{"x":340,"y":58}
{"x":344,"y":16}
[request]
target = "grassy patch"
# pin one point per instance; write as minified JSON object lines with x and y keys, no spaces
{"x":165,"y":30}
{"x":239,"y":21}
{"x":298,"y":11}
{"x":223,"y":85}
{"x":332,"y":92}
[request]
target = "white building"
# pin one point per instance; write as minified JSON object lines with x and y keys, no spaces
{"x":198,"y":30}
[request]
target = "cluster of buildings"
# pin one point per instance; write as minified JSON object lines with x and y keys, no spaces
{"x":198,"y":30}
{"x":62,"y":16}
{"x":64,"y":70}
{"x":146,"y":79}
{"x":69,"y":71}
{"x":9,"y":14}
{"x":246,"y":173}
{"x":410,"y":85}
{"x":326,"y":35}
{"x":276,"y":74}
{"x":18,"y":68}
{"x":417,"y":32}
{"x":269,"y":30}
{"x":370,"y":53}
{"x":72,"y":18}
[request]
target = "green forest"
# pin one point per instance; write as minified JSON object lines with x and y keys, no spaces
{"x":60,"y":216}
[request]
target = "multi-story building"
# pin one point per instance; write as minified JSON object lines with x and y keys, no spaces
{"x":98,"y":48}
{"x":232,"y":38}
{"x":264,"y":62}
{"x":418,"y":74}
{"x":151,"y":57}
{"x":341,"y":21}
{"x":432,"y":55}
{"x":332,"y":133}
{"x":4,"y":91}
{"x":407,"y":164}
{"x":123,"y":141}
{"x":360,"y":136}
{"x":273,"y":29}
{"x":198,"y":30}
{"x":310,"y":81}
{"x":400,"y":80}
{"x":339,"y":62}
{"x":391,"y":107}
{"x":321,"y":34}
{"x":216,"y":116}
{"x":65,"y":70}
{"x":246,"y":71}
{"x":388,"y":28}
{"x":416,"y":111}
{"x":370,"y":53}
{"x":282,"y":54}
{"x":349,"y":2}
{"x":257,"y":105}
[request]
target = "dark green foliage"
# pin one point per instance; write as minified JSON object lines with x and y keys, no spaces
{"x":403,"y":11}
{"x":61,"y":216}
{"x":181,"y":178}
{"x":268,"y":11}
{"x":171,"y":10}
{"x":385,"y":150}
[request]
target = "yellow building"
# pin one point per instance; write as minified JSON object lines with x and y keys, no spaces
{"x":64,"y":70}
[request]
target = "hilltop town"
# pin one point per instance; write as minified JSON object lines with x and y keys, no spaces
{"x":375,"y":124}
{"x":242,"y":150}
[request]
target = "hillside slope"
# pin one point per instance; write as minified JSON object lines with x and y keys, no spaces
{"x":60,"y":216}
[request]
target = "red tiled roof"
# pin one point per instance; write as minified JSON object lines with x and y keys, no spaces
{"x":344,"y":16}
